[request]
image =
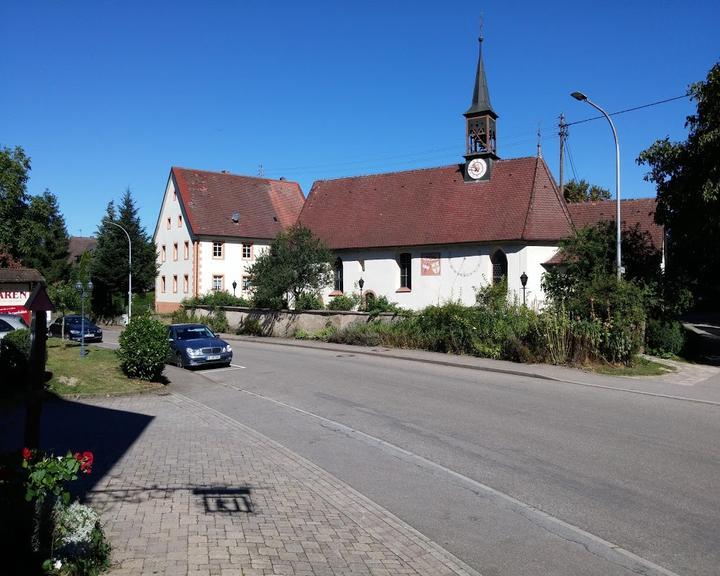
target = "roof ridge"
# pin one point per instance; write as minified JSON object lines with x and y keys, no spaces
{"x":458,"y":164}
{"x":221,"y":173}
{"x":358,"y":176}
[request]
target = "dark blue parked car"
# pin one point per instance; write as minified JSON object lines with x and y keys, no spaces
{"x":197,"y":345}
{"x":74,"y":326}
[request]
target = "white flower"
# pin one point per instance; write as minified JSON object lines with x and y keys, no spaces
{"x":57,"y":565}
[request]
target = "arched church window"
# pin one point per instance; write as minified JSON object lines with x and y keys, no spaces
{"x":499,"y":266}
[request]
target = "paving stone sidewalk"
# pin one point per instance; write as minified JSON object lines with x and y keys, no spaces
{"x":201,"y":494}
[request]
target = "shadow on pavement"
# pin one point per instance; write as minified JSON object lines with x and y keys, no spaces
{"x":75,"y":426}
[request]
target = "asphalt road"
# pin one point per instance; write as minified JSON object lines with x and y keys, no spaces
{"x":514,"y":475}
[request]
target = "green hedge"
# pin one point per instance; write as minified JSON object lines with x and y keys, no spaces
{"x":15,"y":357}
{"x":144,"y":348}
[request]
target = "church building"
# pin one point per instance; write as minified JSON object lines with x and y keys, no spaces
{"x":423,"y":237}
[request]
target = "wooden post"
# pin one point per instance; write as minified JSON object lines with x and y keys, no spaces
{"x":36,"y":378}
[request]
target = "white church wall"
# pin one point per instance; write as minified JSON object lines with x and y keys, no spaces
{"x":442,"y":274}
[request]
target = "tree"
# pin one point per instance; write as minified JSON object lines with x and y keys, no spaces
{"x":583,"y":191}
{"x":589,"y":257}
{"x":14,"y":174}
{"x":110,"y":258}
{"x":43,"y":239}
{"x":297,"y":263}
{"x":32,"y":229}
{"x":687,"y":176}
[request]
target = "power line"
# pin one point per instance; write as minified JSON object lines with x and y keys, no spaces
{"x":629,"y":109}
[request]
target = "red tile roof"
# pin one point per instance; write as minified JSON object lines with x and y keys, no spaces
{"x":435,"y":206}
{"x":79,"y":245}
{"x":640,"y":212}
{"x":210,"y":198}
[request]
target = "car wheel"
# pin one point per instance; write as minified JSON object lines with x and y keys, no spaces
{"x":179,"y":360}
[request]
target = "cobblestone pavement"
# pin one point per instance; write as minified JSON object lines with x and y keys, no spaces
{"x":201,"y":494}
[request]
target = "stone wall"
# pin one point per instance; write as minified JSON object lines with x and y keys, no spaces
{"x":284,"y":323}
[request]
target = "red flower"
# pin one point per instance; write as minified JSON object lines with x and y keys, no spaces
{"x":86,"y":460}
{"x":27,"y":453}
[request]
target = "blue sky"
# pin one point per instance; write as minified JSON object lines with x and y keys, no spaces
{"x":105,"y":95}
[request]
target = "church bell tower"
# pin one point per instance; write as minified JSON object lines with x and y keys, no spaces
{"x":480,"y":139}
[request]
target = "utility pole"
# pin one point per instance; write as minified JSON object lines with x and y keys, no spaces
{"x":563,"y":136}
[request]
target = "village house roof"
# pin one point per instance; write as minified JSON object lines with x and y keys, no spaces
{"x":20,"y":276}
{"x":637,"y":212}
{"x":79,"y":245}
{"x":435,"y":206}
{"x":213,"y":201}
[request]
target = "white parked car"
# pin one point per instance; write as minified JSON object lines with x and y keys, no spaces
{"x":10,"y":322}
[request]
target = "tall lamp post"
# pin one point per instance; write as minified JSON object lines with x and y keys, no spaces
{"x":129,"y":269}
{"x":234,"y":285}
{"x":618,"y":263}
{"x":82,"y":290}
{"x":523,"y":281}
{"x":361,"y":283}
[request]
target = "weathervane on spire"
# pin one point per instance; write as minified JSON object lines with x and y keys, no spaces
{"x":539,"y":142}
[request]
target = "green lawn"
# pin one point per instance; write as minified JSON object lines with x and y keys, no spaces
{"x":98,"y":373}
{"x":639,"y":367}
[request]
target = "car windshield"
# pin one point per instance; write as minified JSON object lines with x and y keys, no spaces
{"x":193,"y":332}
{"x":76,"y":320}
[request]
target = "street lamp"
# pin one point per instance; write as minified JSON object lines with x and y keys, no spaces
{"x":523,"y":281}
{"x":81,"y":289}
{"x":129,"y":269}
{"x":618,"y":257}
{"x":234,"y":285}
{"x":361,"y":283}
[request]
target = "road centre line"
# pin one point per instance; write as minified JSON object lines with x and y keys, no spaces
{"x":594,"y":544}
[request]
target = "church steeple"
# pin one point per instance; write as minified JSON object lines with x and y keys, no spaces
{"x":481,"y":95}
{"x":480,"y":136}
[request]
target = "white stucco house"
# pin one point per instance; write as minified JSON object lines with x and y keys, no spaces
{"x":212,"y":226}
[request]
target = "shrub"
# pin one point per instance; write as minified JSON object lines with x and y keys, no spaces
{"x":326,"y":333}
{"x":664,"y":338}
{"x":379,"y":304}
{"x":217,"y":298}
{"x":301,"y":334}
{"x":344,"y":302}
{"x":357,"y":333}
{"x":15,"y":356}
{"x":144,"y":348}
{"x":251,"y":327}
{"x":184,"y":316}
{"x":216,"y":320}
{"x":309,"y":301}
